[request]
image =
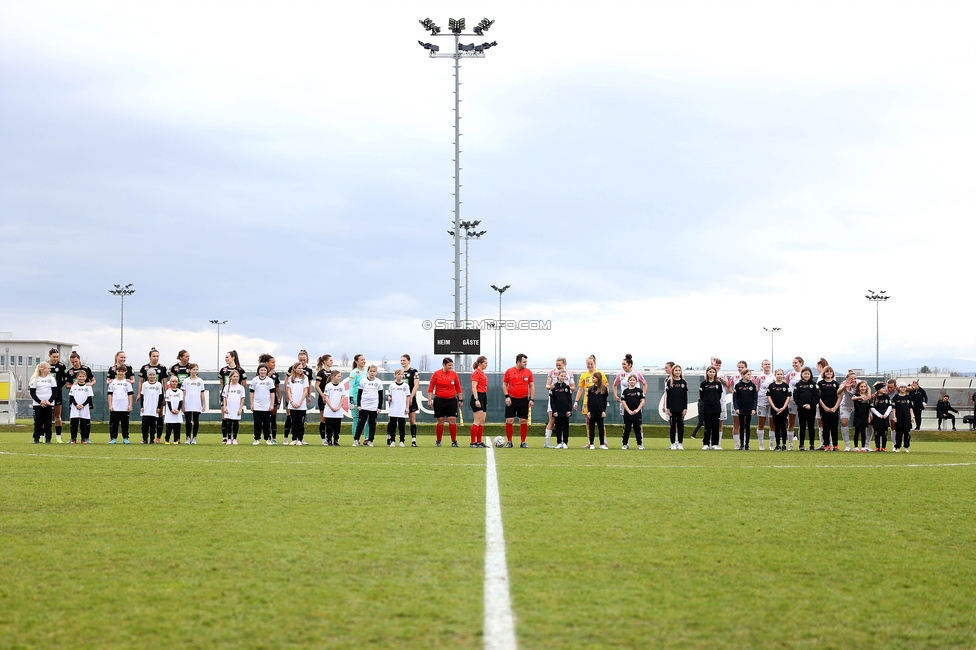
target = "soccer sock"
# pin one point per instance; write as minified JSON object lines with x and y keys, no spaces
{"x":523,"y":430}
{"x":846,"y":433}
{"x":57,"y":430}
{"x":322,"y":429}
{"x":439,"y":428}
{"x":548,"y":435}
{"x":509,"y":430}
{"x":453,"y":429}
{"x":474,"y":433}
{"x":481,"y":433}
{"x":413,"y":430}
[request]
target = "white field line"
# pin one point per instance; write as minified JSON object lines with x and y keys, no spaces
{"x":230,"y":460}
{"x":499,"y":630}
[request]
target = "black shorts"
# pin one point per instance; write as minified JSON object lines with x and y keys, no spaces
{"x":413,"y":405}
{"x":483,"y":400}
{"x":519,"y":408}
{"x":57,"y":397}
{"x":445,"y":407}
{"x":321,"y":404}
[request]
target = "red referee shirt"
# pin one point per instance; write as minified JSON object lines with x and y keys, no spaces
{"x":444,"y":384}
{"x":518,"y":381}
{"x":481,"y":380}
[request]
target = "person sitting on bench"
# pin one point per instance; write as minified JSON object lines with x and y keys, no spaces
{"x":944,"y":411}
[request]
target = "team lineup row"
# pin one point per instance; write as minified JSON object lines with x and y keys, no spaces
{"x":171,"y":398}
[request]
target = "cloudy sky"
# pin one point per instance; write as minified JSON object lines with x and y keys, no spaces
{"x":658,"y":178}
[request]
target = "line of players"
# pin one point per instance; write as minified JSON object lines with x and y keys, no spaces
{"x":170,"y":398}
{"x":785,"y":398}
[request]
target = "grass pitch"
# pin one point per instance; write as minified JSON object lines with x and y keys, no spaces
{"x":262,"y":547}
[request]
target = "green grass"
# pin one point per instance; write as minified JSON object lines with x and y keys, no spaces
{"x":347,"y":548}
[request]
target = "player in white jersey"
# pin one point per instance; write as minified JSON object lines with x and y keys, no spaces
{"x":193,"y":390}
{"x":551,"y":379}
{"x":42,"y":386}
{"x":119,"y":406}
{"x":763,"y":378}
{"x":741,"y":367}
{"x":151,"y":401}
{"x":792,"y":378}
{"x":846,"y":393}
{"x":173,"y":410}
{"x":262,"y":390}
{"x":333,"y":395}
{"x":369,"y":397}
{"x":296,"y":398}
{"x":81,"y":397}
{"x":620,"y":382}
{"x":232,"y":407}
{"x":399,"y":400}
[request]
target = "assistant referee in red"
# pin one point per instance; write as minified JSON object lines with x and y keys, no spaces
{"x":445,"y":392}
{"x":518,"y":387}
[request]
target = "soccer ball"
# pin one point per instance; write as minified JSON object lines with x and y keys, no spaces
{"x":499,"y":441}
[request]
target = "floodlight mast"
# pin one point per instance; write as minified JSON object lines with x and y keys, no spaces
{"x":472,"y":51}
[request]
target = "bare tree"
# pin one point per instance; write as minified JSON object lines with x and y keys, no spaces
{"x":424,"y":363}
{"x":385,"y":363}
{"x":345,"y":359}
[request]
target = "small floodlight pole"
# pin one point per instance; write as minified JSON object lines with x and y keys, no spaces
{"x":498,"y":346}
{"x":456,"y":28}
{"x":772,"y":347}
{"x":877,"y":299}
{"x":218,"y":323}
{"x":122,"y":292}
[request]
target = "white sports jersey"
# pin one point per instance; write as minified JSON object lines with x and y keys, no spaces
{"x":233,"y":395}
{"x":44,"y":387}
{"x":400,"y":394}
{"x":118,"y":392}
{"x":371,"y":394}
{"x":193,"y":395}
{"x":335,"y":393}
{"x":764,"y":382}
{"x":262,"y":393}
{"x":297,"y":388}
{"x":621,"y":381}
{"x":792,"y":378}
{"x":152,"y":396}
{"x":81,"y":395}
{"x":553,"y":377}
{"x":173,"y":399}
{"x":847,"y":397}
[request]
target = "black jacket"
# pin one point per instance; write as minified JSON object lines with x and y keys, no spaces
{"x":596,"y":403}
{"x":677,"y":396}
{"x":806,"y":392}
{"x":944,"y":408}
{"x":918,"y":398}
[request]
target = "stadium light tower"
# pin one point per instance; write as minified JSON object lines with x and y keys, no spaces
{"x":877,"y":299}
{"x":218,"y":323}
{"x":461,"y":51}
{"x":772,"y":347}
{"x":498,"y":348}
{"x":122,"y":292}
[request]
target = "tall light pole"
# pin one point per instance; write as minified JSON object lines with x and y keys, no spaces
{"x":218,"y":323}
{"x":469,"y":234}
{"x":772,"y":348}
{"x":470,"y":51}
{"x":877,"y":299}
{"x":122,"y":292}
{"x":498,"y":347}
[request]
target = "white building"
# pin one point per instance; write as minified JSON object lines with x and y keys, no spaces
{"x":21,"y":356}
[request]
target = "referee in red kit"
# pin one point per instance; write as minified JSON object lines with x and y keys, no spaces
{"x":519,"y":390}
{"x":445,"y":392}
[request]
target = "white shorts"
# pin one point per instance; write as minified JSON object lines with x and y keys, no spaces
{"x":763,"y":410}
{"x":548,"y":405}
{"x":845,"y":414}
{"x":725,"y":413}
{"x":792,"y":408}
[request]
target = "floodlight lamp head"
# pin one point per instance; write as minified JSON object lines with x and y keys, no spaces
{"x":466,"y":48}
{"x":429,"y":25}
{"x":456,"y":26}
{"x":484,"y":25}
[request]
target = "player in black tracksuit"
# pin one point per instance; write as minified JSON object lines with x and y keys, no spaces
{"x":676,"y":402}
{"x":745,"y":401}
{"x":828,"y":408}
{"x":919,"y":398}
{"x":778,"y":394}
{"x":807,"y":396}
{"x":902,"y":405}
{"x":710,"y":392}
{"x":561,"y":402}
{"x":880,"y":412}
{"x":633,"y":399}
